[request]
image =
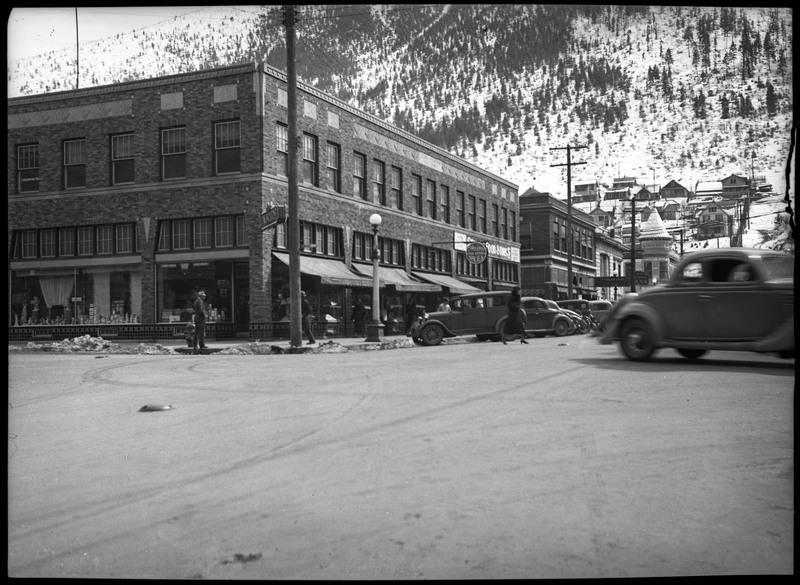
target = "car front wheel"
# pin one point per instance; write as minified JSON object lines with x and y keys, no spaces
{"x":636,"y":341}
{"x":561,"y":328}
{"x":432,"y":335}
{"x":691,"y":354}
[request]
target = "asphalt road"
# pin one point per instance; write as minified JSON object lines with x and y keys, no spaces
{"x":557,"y":459}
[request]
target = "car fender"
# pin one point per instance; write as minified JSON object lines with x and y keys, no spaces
{"x":445,"y":328}
{"x":645,"y":312}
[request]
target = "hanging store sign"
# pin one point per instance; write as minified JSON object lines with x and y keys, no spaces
{"x":273,"y":216}
{"x":477,"y":253}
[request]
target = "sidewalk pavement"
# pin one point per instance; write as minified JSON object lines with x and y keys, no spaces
{"x":285,"y":346}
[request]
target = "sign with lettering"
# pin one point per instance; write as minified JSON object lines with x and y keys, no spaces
{"x":273,"y":216}
{"x":477,"y":253}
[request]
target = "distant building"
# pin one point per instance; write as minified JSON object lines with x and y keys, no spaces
{"x":707,"y":190}
{"x":545,"y":244}
{"x":586,"y":192}
{"x":674,"y":190}
{"x":714,"y":220}
{"x":735,"y":187}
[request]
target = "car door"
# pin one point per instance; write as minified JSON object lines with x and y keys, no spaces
{"x":539,"y":316}
{"x":678,"y":302}
{"x":736,"y":304}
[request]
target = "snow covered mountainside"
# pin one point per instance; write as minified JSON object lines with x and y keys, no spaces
{"x":658,"y":93}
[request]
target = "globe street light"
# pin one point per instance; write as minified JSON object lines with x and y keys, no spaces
{"x":375,"y":327}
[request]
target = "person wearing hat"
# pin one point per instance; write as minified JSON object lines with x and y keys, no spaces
{"x":199,"y":320}
{"x":305,"y":311}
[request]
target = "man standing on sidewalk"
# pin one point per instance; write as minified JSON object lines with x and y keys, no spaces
{"x":306,"y":310}
{"x":199,"y":320}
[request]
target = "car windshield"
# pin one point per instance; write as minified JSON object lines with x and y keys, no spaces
{"x":779,"y":266}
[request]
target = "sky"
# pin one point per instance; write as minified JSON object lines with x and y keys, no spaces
{"x":37,"y":30}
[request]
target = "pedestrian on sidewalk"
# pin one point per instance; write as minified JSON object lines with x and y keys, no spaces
{"x":199,"y":320}
{"x":359,"y":318}
{"x":514,"y":325}
{"x":305,"y":312}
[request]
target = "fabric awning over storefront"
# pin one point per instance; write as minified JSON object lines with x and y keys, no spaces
{"x":398,"y":278}
{"x":334,"y":272}
{"x":455,"y":286}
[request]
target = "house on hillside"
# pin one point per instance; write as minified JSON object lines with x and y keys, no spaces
{"x":735,"y":187}
{"x":669,"y":210}
{"x":713,"y":220}
{"x":707,"y":190}
{"x":615,"y":194}
{"x":674,"y":190}
{"x":586,"y":192}
{"x":602,"y":217}
{"x":623,"y":182}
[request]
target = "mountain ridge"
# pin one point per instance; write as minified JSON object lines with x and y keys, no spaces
{"x":505,"y":86}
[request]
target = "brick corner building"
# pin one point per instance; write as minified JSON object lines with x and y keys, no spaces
{"x":125,"y":200}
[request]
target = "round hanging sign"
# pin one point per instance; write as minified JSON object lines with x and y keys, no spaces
{"x":477,"y":253}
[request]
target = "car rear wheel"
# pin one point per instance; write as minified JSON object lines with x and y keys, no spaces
{"x":691,"y":354}
{"x":636,"y":341}
{"x":432,"y":335}
{"x":561,"y":328}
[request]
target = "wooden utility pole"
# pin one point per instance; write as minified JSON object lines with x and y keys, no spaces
{"x":633,"y":200}
{"x":293,"y":219}
{"x":77,"y":54}
{"x":570,"y":239}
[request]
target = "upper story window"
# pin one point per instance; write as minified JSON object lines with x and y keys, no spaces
{"x":504,"y":223}
{"x":495,"y":224}
{"x":359,"y":175}
{"x":444,"y":200}
{"x":105,"y":239}
{"x":85,"y":241}
{"x":227,"y":147}
{"x":122,"y":159}
{"x":75,"y":163}
{"x":29,"y":244}
{"x":333,"y":167}
{"x":472,"y":223}
{"x":202,"y":233}
{"x":416,"y":194}
{"x":512,"y":226}
{"x":47,"y":243}
{"x":310,"y":169}
{"x":173,"y":153}
{"x":396,"y":185}
{"x":460,"y":207}
{"x":282,"y":147}
{"x":181,"y":234}
{"x":223,"y":232}
{"x":430,"y":197}
{"x":66,"y":242}
{"x":379,"y":182}
{"x":27,"y":168}
{"x":482,"y":215}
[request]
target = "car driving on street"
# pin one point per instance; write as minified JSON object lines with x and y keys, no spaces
{"x":733,"y":299}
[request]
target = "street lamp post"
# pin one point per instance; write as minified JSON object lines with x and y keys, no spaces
{"x":633,"y":241}
{"x":375,"y":327}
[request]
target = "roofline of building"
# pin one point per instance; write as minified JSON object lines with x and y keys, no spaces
{"x":251,"y":67}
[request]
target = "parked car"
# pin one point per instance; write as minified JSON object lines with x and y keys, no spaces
{"x":542,"y":319}
{"x":580,"y":308}
{"x":601,"y":310}
{"x":571,"y":315}
{"x":482,"y":314}
{"x":734,"y":299}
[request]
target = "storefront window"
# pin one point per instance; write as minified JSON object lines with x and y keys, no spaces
{"x":178,"y":284}
{"x":96,"y":295}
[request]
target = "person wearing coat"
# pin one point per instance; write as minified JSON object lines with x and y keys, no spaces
{"x":359,"y":318}
{"x":514,"y":326}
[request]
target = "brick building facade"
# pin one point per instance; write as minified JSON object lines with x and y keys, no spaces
{"x":125,"y":200}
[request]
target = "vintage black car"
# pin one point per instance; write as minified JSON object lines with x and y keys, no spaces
{"x":733,"y":299}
